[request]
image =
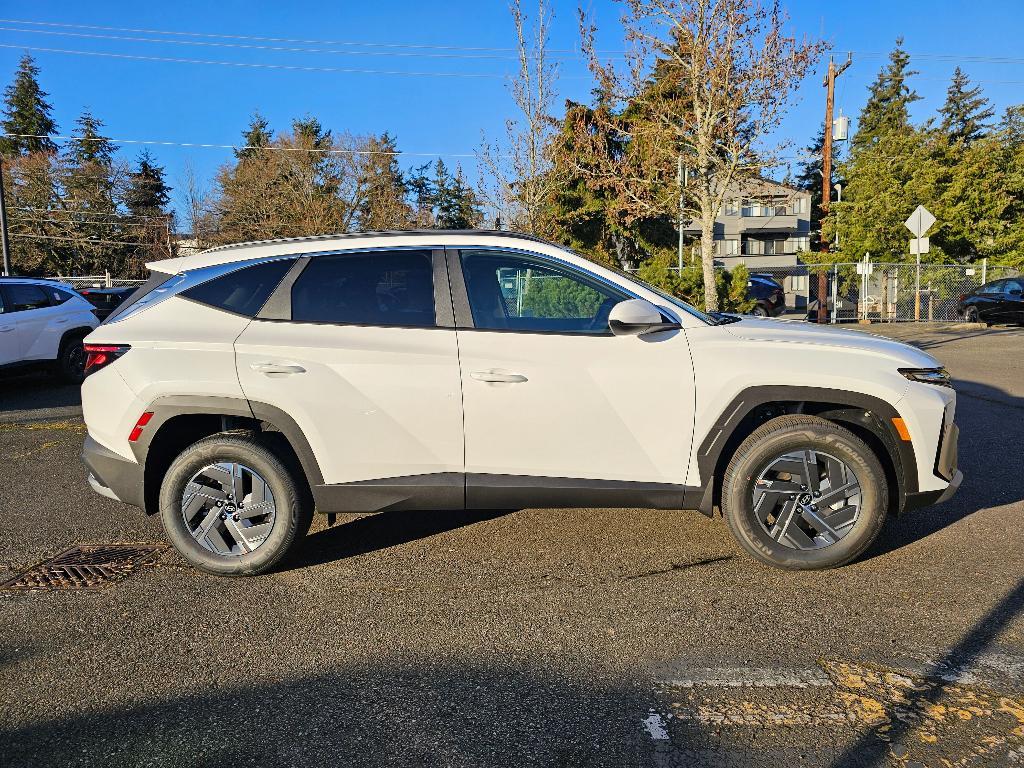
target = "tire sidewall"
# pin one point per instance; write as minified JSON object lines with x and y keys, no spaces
{"x":275,"y":474}
{"x":65,"y":368}
{"x":738,"y":497}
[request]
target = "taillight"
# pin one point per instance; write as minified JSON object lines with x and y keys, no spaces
{"x":136,"y":432}
{"x":101,"y":355}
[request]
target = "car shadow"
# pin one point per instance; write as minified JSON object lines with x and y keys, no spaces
{"x":33,"y":395}
{"x":991,"y":423}
{"x":379,"y":531}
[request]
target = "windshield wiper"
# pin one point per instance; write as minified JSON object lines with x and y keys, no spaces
{"x":723,"y":319}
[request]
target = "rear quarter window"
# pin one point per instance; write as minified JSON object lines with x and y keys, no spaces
{"x":244,"y":291}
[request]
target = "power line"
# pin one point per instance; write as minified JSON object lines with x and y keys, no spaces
{"x":255,"y":65}
{"x":89,"y":241}
{"x":56,"y":219}
{"x":417,"y":46}
{"x":87,"y":213}
{"x":240,"y":148}
{"x":273,"y":48}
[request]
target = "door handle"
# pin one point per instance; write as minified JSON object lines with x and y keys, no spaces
{"x":61,"y":320}
{"x":6,"y":328}
{"x":498,"y":378}
{"x":269,"y":368}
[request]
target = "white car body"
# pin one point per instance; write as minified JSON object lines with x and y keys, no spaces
{"x":455,"y":415}
{"x":32,"y":333}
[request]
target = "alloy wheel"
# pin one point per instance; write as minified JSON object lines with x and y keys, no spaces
{"x":228,"y":508}
{"x":807,"y":499}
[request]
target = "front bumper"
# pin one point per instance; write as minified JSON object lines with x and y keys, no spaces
{"x":945,"y":467}
{"x":111,"y":475}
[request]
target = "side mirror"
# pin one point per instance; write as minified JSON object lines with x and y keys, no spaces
{"x":635,"y":317}
{"x":1015,"y":292}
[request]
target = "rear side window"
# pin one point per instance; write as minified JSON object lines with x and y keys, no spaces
{"x":57,"y":295}
{"x":243,"y":291}
{"x":155,"y":281}
{"x":25,"y":296}
{"x":375,"y":288}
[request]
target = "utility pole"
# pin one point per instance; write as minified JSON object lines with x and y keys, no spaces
{"x":3,"y":223}
{"x":826,"y":170}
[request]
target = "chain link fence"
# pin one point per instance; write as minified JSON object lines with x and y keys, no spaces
{"x":79,"y":282}
{"x":881,"y":292}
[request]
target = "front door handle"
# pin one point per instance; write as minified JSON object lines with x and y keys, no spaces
{"x":61,"y":320}
{"x":498,"y":378}
{"x":6,"y":328}
{"x":270,"y":368}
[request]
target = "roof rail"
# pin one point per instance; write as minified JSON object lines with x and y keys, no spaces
{"x":380,"y":233}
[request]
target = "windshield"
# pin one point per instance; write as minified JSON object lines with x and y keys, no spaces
{"x":675,"y":301}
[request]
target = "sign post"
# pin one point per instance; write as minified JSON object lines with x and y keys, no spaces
{"x":920,"y":221}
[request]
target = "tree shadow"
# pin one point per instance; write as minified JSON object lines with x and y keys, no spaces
{"x":870,"y":749}
{"x":379,"y":531}
{"x":415,"y":713}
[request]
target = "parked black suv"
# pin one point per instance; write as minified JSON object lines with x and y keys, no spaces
{"x":997,"y":301}
{"x":769,"y":294}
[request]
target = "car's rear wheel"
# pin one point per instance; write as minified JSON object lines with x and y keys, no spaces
{"x":231,"y":507}
{"x":71,"y":361}
{"x":804,"y":493}
{"x":759,"y":311}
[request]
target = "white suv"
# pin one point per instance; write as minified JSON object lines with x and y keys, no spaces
{"x":245,"y":386}
{"x":42,"y":323}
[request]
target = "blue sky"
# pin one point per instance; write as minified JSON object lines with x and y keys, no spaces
{"x":431,"y":114}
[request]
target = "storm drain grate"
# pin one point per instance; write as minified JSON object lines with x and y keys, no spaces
{"x":85,"y":567}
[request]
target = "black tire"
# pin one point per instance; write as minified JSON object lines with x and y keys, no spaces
{"x":787,"y":434}
{"x":294,"y":510}
{"x":971,"y":315}
{"x":760,"y":311}
{"x":71,"y":361}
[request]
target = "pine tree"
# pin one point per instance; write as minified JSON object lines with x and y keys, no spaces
{"x":456,"y":205}
{"x":810,"y":179}
{"x":258,"y":134}
{"x":147,"y":193}
{"x":383,"y":204}
{"x":27,"y":113}
{"x":887,"y":109}
{"x":965,"y":111}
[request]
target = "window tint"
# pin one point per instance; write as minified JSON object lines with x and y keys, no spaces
{"x":25,"y":296}
{"x":996,"y":287}
{"x":376,"y":288}
{"x":243,"y":291}
{"x":509,"y":291}
{"x":1013,"y":285}
{"x":57,"y":295}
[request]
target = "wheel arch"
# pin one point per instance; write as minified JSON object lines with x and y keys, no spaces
{"x":71,"y":334}
{"x":179,"y":421}
{"x":868,"y":417}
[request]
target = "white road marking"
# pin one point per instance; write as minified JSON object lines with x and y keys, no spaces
{"x":655,"y":726}
{"x":751,"y":677}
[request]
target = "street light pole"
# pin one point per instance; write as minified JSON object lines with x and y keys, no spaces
{"x":3,"y":224}
{"x":826,"y":169}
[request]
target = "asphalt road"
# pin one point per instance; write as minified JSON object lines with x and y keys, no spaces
{"x":560,"y":637}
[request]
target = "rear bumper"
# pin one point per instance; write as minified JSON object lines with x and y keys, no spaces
{"x":112,"y":475}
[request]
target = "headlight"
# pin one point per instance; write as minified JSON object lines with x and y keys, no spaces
{"x":937,"y":376}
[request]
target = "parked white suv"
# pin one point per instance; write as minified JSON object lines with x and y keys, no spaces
{"x":42,"y":323}
{"x":245,"y":386}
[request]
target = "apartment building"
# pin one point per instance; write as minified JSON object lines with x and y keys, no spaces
{"x":764,"y":224}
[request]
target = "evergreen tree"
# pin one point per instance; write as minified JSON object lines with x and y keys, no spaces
{"x":423,"y":196}
{"x":965,"y":111}
{"x":258,"y":134}
{"x":810,"y":179}
{"x":383,"y":204}
{"x":147,"y":193}
{"x":456,"y":205}
{"x":887,"y":109}
{"x":27,"y":113}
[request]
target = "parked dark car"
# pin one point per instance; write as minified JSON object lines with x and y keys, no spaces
{"x":997,"y":301}
{"x":769,"y":294}
{"x":106,"y":300}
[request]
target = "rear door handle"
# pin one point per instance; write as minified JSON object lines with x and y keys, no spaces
{"x":6,"y":328}
{"x":269,"y":368}
{"x":61,"y":320}
{"x":498,"y":378}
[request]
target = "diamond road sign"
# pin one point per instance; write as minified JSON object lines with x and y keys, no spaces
{"x":920,"y":221}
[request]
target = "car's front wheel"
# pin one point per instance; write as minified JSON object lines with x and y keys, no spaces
{"x":231,"y":507}
{"x":803,"y":493}
{"x":760,"y":310}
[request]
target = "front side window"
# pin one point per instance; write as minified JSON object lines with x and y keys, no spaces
{"x":510,"y":291}
{"x":372,"y":288}
{"x":25,"y":297}
{"x":996,"y":287}
{"x":244,"y":291}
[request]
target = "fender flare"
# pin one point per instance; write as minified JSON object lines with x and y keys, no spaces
{"x":858,"y":408}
